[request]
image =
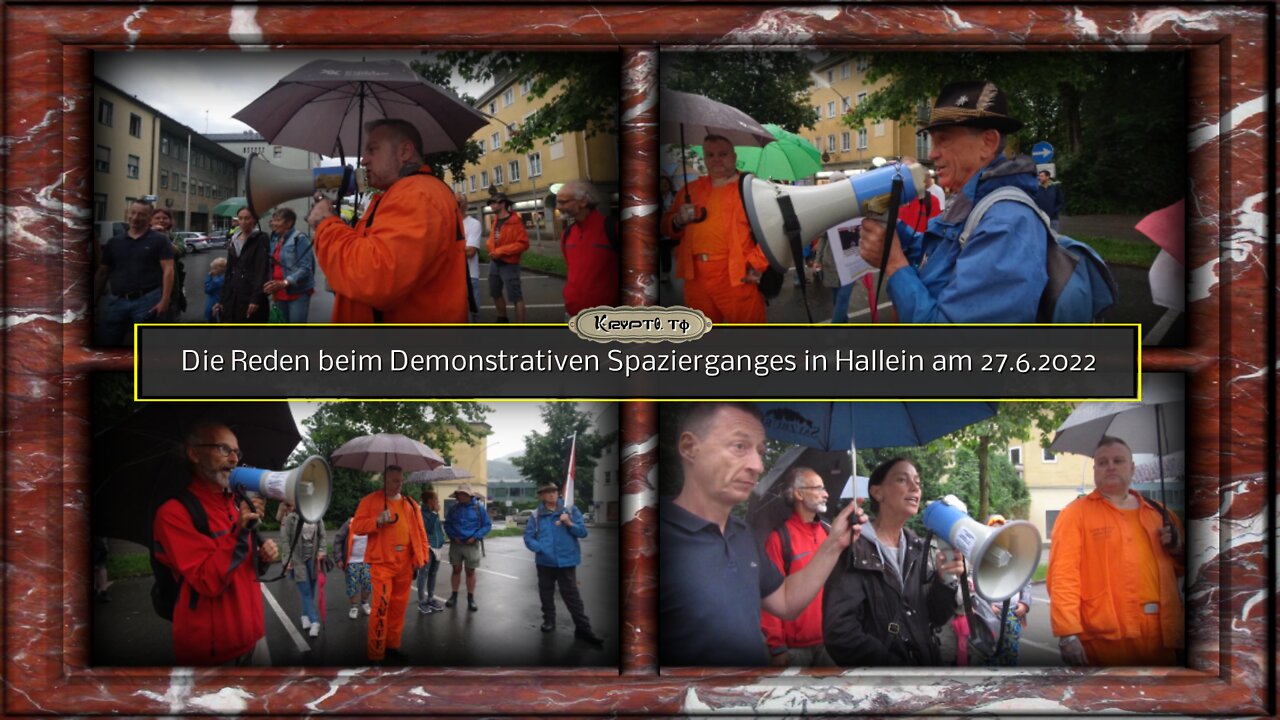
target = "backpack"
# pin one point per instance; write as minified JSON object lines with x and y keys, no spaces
{"x":1080,"y":288}
{"x":785,"y":538}
{"x":164,"y":593}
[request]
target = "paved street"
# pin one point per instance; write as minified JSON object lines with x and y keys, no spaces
{"x":503,"y":632}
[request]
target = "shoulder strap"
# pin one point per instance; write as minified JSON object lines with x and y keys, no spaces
{"x":787,"y":555}
{"x":199,"y":518}
{"x":1007,"y":192}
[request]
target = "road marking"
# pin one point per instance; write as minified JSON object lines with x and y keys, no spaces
{"x":491,"y":572}
{"x":1035,"y":644}
{"x":294,"y":633}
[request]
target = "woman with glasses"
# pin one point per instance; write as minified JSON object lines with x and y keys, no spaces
{"x":885,"y":599}
{"x":303,"y":551}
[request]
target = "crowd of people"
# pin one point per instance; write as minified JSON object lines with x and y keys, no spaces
{"x":865,"y":591}
{"x":207,"y":539}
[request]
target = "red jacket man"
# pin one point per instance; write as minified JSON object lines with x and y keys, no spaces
{"x":589,"y":249}
{"x":507,"y":242}
{"x":798,"y":642}
{"x":218,"y":617}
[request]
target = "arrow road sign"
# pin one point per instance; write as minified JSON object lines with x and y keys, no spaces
{"x":1042,"y":152}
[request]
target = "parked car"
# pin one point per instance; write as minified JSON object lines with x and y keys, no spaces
{"x":195,"y":241}
{"x":522,"y":517}
{"x":217,"y":240}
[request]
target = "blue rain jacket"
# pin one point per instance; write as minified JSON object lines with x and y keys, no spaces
{"x":555,"y":545}
{"x":467,"y":521}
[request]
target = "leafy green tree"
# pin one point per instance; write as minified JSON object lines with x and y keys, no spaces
{"x":771,"y":87}
{"x":437,"y":424}
{"x":1012,"y":421}
{"x":586,"y":88}
{"x":546,"y":454}
{"x":1009,"y":494}
{"x":454,"y":161}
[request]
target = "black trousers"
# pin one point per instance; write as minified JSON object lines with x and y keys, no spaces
{"x":567,"y":577}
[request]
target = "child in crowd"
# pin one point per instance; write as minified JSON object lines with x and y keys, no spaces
{"x":213,"y":283}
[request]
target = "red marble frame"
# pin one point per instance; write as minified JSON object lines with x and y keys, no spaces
{"x":47,"y":358}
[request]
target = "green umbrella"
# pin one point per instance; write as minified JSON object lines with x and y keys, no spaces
{"x":230,"y":206}
{"x":789,"y":157}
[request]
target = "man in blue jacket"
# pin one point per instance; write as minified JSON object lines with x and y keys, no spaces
{"x":466,"y":524}
{"x":998,"y":273}
{"x":552,"y":534}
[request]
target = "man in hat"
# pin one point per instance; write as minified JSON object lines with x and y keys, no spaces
{"x":1115,"y":573}
{"x":396,"y":547}
{"x":552,"y":534}
{"x":716,"y":255}
{"x":466,"y":524}
{"x":507,"y":242}
{"x":404,"y":261}
{"x":998,"y":273}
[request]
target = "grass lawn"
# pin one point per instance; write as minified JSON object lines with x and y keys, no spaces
{"x":1041,"y":572}
{"x":550,"y":264}
{"x":506,"y":532}
{"x":1122,"y":252}
{"x":128,"y":565}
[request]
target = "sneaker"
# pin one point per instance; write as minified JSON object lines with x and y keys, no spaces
{"x":471,"y":604}
{"x":548,"y":626}
{"x":424,"y":608}
{"x":315,"y":629}
{"x":354,"y":612}
{"x":306,"y":622}
{"x":366,"y":609}
{"x":436,"y":605}
{"x":588,"y":636}
{"x":453,"y":599}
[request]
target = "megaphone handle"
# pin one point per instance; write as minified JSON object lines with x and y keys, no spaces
{"x":890,"y":232}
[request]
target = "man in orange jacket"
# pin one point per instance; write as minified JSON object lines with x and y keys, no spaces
{"x":717,"y":257}
{"x":1115,"y":569}
{"x":405,"y":260}
{"x":397,"y":547}
{"x":507,"y":242}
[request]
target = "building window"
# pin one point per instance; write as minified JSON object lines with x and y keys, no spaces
{"x":473,"y":183}
{"x":844,"y":71}
{"x":514,"y":167}
{"x":1047,"y":456}
{"x":844,"y":141}
{"x":482,"y":150}
{"x":526,"y":87}
{"x":182,"y":152}
{"x":831,"y":76}
{"x":277,"y":152}
{"x":494,"y":141}
{"x":880,"y":129}
{"x":923,"y":146}
{"x":99,"y":205}
{"x":183,"y":187}
{"x":831,"y":143}
{"x":862,"y":139}
{"x":135,"y":125}
{"x":164,"y":144}
{"x":497,"y":175}
{"x":556,"y":148}
{"x":1015,"y":455}
{"x":845,"y":105}
{"x":862,"y":97}
{"x":105,"y":111}
{"x":164,"y":179}
{"x":131,"y":169}
{"x":863,"y":63}
{"x":484,"y":178}
{"x":102,"y":159}
{"x":535,"y":164}
{"x":817,"y":111}
{"x":509,"y":97}
{"x":831,"y":109}
{"x":493,"y":108}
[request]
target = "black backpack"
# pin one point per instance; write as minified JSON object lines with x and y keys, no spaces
{"x":785,"y":538}
{"x":165,"y":591}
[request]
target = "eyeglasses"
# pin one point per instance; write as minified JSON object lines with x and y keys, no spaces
{"x":812,"y":487}
{"x":224,"y":448}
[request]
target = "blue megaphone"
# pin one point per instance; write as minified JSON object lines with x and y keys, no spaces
{"x":306,"y":487}
{"x":1001,"y":559}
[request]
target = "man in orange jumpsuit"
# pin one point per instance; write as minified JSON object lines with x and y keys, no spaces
{"x":405,"y":260}
{"x":1115,"y":572}
{"x":507,"y":242}
{"x":717,"y":258}
{"x":397,"y":547}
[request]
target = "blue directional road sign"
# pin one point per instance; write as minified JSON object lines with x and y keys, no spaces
{"x":1042,"y":152}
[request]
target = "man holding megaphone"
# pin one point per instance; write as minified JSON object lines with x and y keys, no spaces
{"x":716,"y":255}
{"x":996,"y":274}
{"x":218,"y":617}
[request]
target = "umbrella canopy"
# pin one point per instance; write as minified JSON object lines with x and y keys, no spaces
{"x":788,"y":157}
{"x":440,"y":474}
{"x":323,"y":105}
{"x":689,"y":119}
{"x":375,"y":453}
{"x":138,"y":462}
{"x":1155,"y":425}
{"x":1155,"y":469}
{"x":841,"y":425}
{"x":230,"y":207}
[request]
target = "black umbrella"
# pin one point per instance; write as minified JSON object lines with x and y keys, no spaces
{"x":137,"y":463}
{"x":691,"y":118}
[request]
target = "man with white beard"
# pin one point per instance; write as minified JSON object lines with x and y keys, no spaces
{"x":798,"y":642}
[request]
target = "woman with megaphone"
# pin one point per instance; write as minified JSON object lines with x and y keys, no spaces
{"x":886,"y":597}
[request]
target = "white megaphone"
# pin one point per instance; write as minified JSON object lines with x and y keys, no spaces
{"x":266,"y":185}
{"x":1001,"y":559}
{"x":818,"y":208}
{"x":306,"y":487}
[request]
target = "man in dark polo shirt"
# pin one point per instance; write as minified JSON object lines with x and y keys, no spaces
{"x":137,"y":266}
{"x":714,"y":577}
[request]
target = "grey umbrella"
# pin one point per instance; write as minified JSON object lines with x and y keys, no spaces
{"x":323,"y":105}
{"x":375,"y":453}
{"x":448,"y":472}
{"x":688,"y":119}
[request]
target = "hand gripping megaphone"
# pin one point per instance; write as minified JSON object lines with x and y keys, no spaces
{"x":814,"y":209}
{"x":306,"y":487}
{"x":1001,"y":559}
{"x":266,"y":185}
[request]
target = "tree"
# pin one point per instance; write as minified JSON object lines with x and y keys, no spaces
{"x":436,"y":424}
{"x":1012,"y":421}
{"x":586,"y":84}
{"x":546,"y":454}
{"x":454,"y":161}
{"x":771,"y":87}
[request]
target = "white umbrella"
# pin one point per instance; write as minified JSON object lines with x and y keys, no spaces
{"x":375,"y":453}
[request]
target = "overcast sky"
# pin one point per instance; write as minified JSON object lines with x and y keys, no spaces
{"x":511,"y":421}
{"x":203,"y":89}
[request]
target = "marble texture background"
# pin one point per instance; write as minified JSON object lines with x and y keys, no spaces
{"x":46,"y":147}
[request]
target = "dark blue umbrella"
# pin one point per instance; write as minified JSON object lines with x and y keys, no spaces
{"x":842,"y":425}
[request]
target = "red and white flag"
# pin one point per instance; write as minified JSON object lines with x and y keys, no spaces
{"x":568,"y":481}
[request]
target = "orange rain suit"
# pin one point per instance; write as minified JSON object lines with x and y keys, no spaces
{"x":713,"y":255}
{"x":411,"y":264}
{"x":1103,"y":588}
{"x":394,"y":554}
